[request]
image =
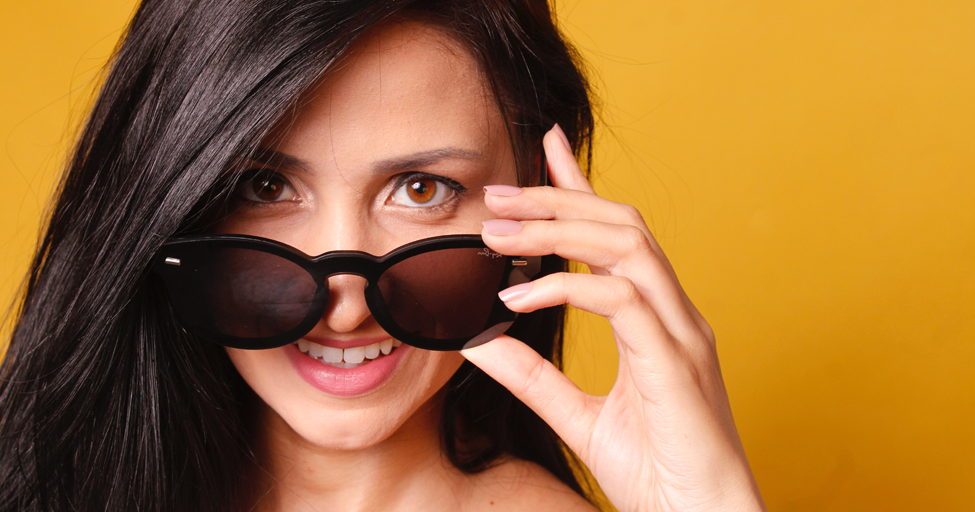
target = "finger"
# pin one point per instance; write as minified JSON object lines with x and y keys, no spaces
{"x":541,"y":386}
{"x":622,"y":250}
{"x":565,"y":173}
{"x":555,"y":204}
{"x":548,"y":203}
{"x":564,"y":170}
{"x":646,"y":347}
{"x":635,"y":323}
{"x":541,"y":203}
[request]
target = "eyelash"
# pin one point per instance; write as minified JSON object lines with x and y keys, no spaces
{"x":458,"y":189}
{"x":247,"y":177}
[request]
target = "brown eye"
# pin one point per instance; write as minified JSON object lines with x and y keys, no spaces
{"x":421,"y":191}
{"x":425,"y":191}
{"x":265,"y":186}
{"x":268,"y":188}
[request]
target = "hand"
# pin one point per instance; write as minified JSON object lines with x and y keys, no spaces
{"x":664,"y":438}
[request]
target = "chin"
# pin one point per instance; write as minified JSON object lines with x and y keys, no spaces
{"x":405,"y":403}
{"x":337,"y":431}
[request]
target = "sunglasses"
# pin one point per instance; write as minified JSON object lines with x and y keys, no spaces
{"x":248,"y":292}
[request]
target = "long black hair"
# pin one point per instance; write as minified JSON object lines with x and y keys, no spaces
{"x":105,"y":401}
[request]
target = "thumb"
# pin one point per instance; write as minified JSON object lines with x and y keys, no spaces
{"x":540,"y":385}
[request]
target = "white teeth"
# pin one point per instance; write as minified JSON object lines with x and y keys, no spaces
{"x":372,"y":351}
{"x":331,"y":354}
{"x":315,"y":349}
{"x":354,"y":355}
{"x":350,"y":357}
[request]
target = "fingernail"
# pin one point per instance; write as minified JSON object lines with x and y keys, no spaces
{"x":502,"y":190}
{"x":502,"y":226}
{"x":515,"y":292}
{"x":565,"y":140}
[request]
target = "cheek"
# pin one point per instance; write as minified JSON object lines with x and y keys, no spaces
{"x":348,"y":423}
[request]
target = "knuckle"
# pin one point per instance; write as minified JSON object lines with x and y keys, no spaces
{"x":708,"y":332}
{"x":626,"y":294}
{"x":548,"y":193}
{"x":558,"y":286}
{"x":632,"y":214}
{"x":630,"y":293}
{"x":554,"y":201}
{"x":635,"y":240}
{"x":694,"y":376}
{"x":559,"y":279}
{"x":534,"y":377}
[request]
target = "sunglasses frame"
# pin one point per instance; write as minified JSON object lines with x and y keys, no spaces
{"x":170,"y":264}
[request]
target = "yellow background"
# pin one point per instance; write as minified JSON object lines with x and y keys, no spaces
{"x":808,"y":167}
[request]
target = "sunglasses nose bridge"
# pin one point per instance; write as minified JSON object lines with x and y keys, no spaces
{"x":345,"y":273}
{"x":353,"y":265}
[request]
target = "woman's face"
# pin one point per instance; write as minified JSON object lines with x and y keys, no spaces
{"x":392,"y":147}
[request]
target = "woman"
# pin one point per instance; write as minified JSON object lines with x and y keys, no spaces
{"x":234,"y":137}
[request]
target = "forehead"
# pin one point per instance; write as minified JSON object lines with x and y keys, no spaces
{"x":405,"y":88}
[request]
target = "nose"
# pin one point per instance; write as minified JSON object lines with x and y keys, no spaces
{"x":338,"y":225}
{"x":347,"y":309}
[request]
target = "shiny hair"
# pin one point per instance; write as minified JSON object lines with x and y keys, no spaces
{"x":105,"y":401}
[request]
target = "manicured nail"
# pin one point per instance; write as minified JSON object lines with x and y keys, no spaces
{"x":502,"y":190}
{"x":502,"y":226}
{"x":565,"y":140}
{"x":515,"y":292}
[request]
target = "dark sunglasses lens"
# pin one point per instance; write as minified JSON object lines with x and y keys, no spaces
{"x":446,"y":294}
{"x":244,"y":293}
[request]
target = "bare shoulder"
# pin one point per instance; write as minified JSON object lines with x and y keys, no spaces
{"x":518,"y":485}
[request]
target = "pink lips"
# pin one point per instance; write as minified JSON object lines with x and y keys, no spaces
{"x":346,"y":382}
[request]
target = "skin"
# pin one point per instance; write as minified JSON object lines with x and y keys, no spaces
{"x":404,"y":92}
{"x":663,"y":439}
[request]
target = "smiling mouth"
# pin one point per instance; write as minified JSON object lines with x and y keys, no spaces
{"x":348,"y":358}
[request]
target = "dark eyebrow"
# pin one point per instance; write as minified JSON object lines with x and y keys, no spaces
{"x":280,"y":160}
{"x":276,"y":159}
{"x":405,"y":163}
